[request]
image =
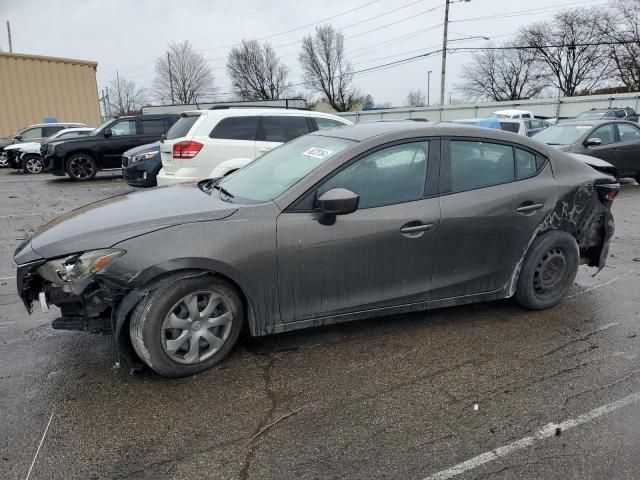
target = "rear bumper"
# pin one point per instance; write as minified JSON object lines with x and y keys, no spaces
{"x":185,"y":174}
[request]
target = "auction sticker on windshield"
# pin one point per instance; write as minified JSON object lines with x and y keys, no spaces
{"x":317,"y":152}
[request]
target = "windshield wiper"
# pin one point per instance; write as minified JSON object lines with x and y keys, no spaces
{"x":222,"y":190}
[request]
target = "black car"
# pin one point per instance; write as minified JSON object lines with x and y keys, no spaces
{"x":140,"y":165}
{"x":337,"y":225}
{"x":617,"y":142}
{"x":82,"y":158}
{"x":626,"y":113}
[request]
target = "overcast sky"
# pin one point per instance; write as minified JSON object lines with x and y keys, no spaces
{"x":127,"y":35}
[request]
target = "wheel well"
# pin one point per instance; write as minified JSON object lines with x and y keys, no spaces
{"x":86,"y":152}
{"x":122,"y":328}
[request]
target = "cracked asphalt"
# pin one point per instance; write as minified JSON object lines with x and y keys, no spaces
{"x":392,"y":397}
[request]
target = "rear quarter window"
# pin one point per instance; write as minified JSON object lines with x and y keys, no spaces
{"x":181,"y":127}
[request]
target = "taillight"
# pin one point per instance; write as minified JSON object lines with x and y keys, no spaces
{"x":186,"y":149}
{"x":608,"y":191}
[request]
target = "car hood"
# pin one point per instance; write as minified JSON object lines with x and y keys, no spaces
{"x":149,"y":147}
{"x":4,"y":142}
{"x":20,"y":146}
{"x":107,"y":222}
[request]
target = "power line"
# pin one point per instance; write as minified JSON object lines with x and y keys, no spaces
{"x":518,"y":13}
{"x":297,"y":28}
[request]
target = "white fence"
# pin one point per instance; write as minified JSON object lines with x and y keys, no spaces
{"x":564,"y":107}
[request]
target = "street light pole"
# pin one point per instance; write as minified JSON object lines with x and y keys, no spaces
{"x":444,"y":51}
{"x":428,"y":86}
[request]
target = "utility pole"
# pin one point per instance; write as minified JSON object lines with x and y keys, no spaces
{"x":444,"y":51}
{"x":170,"y":78}
{"x":9,"y":35}
{"x":428,"y":86}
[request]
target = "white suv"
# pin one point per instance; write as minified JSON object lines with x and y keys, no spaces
{"x":214,"y":143}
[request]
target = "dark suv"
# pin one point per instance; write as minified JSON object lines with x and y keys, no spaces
{"x":626,"y":113}
{"x":81,"y":158}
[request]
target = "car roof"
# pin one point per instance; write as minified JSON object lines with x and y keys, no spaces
{"x":55,"y":124}
{"x":247,"y":111}
{"x":365,"y":131}
{"x":591,"y":122}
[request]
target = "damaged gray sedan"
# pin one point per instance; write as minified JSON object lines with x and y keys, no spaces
{"x":338,"y":225}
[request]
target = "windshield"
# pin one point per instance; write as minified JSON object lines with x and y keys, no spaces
{"x":275,"y":172}
{"x":101,"y":127}
{"x":562,"y":134}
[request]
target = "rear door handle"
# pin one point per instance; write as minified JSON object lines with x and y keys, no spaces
{"x":529,"y":207}
{"x":266,"y":149}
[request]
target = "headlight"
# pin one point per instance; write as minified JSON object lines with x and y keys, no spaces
{"x":76,"y":267}
{"x":142,"y":156}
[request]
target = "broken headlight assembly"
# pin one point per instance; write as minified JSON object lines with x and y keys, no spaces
{"x":78,"y":266}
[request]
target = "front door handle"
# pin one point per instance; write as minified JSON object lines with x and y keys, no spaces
{"x":528,"y":207}
{"x":415,"y":230}
{"x":265,"y":149}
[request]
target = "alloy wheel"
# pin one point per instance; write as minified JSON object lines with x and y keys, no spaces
{"x":550,"y":272}
{"x":33,"y":165}
{"x":196,"y":327}
{"x":81,"y":167}
{"x":4,"y":160}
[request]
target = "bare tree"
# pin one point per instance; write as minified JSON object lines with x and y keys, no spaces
{"x":507,"y":74}
{"x":125,"y":97}
{"x":367,"y":102}
{"x":569,"y":49}
{"x":183,"y":75}
{"x":415,"y":98}
{"x":326,"y":70}
{"x":621,"y":28}
{"x":256,"y":72}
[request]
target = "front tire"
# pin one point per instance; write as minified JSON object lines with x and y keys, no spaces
{"x":33,"y":164}
{"x":81,"y":167}
{"x":549,"y":270}
{"x":187,"y":325}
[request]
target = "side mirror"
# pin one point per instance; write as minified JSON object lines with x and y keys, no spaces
{"x":593,"y":142}
{"x":18,"y":137}
{"x":338,"y":201}
{"x":108,"y":134}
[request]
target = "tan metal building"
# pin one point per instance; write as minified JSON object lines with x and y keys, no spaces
{"x":36,"y":89}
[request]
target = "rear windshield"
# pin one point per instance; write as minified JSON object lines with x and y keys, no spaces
{"x":181,"y":127}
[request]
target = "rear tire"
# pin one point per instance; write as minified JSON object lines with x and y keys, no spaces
{"x":81,"y":167}
{"x":549,"y":270}
{"x":187,"y":325}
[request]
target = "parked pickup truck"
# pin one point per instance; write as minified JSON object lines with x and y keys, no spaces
{"x":81,"y":158}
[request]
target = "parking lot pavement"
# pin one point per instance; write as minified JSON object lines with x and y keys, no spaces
{"x":464,"y":392}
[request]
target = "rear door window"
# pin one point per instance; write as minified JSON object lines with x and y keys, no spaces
{"x":282,"y":128}
{"x":628,"y":132}
{"x":236,"y":128}
{"x":526,"y":165}
{"x":153,"y":127}
{"x":48,"y":131}
{"x":480,"y":164}
{"x":181,"y":127}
